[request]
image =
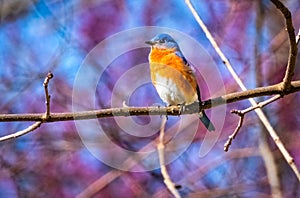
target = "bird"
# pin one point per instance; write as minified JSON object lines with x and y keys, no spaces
{"x":172,"y":75}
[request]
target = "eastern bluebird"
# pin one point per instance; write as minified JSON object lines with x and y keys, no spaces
{"x":172,"y":76}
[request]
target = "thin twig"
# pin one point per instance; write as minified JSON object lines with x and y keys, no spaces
{"x":289,"y":73}
{"x":161,"y":151}
{"x":258,"y":111}
{"x":44,"y":117}
{"x":22,"y":132}
{"x":47,"y":96}
{"x":241,"y":114}
{"x":262,"y":104}
{"x":237,"y":129}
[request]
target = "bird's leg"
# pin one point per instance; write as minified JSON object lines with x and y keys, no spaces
{"x":158,"y":106}
{"x":181,"y":108}
{"x":166,"y":112}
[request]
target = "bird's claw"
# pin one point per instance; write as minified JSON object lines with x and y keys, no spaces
{"x":181,"y":108}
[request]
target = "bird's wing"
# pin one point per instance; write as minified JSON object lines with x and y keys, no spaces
{"x":191,"y":70}
{"x":179,"y":53}
{"x":186,"y":62}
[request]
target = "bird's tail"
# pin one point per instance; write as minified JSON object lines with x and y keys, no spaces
{"x":205,"y":120}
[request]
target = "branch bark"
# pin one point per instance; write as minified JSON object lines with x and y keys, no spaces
{"x":22,"y":132}
{"x":289,"y":73}
{"x":131,"y":111}
{"x":44,"y":117}
{"x":47,"y":96}
{"x":242,"y":115}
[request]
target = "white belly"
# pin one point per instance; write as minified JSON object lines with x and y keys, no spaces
{"x":169,"y":92}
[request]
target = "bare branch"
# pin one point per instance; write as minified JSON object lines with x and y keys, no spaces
{"x":22,"y":132}
{"x":237,"y":129}
{"x":242,"y":115}
{"x":43,"y":117}
{"x":261,"y":104}
{"x":130,"y":111}
{"x":161,"y":155}
{"x":289,"y":73}
{"x":47,"y":96}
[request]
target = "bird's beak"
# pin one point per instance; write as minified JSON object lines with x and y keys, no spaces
{"x":150,"y":42}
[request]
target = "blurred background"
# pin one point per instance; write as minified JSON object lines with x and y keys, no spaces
{"x":38,"y":36}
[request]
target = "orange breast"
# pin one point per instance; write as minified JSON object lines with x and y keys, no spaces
{"x":166,"y":64}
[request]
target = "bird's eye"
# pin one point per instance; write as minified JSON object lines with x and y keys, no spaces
{"x":162,"y":40}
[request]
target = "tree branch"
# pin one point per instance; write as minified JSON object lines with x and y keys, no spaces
{"x":289,"y":73}
{"x":133,"y":111}
{"x":22,"y":132}
{"x":47,"y":96}
{"x":242,"y":113}
{"x":38,"y":123}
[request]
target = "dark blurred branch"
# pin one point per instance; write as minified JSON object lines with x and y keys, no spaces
{"x":12,"y":10}
{"x":272,"y":170}
{"x":134,"y":111}
{"x":289,"y":73}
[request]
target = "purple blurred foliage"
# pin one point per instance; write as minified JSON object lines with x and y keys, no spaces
{"x":99,"y":20}
{"x":41,"y":36}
